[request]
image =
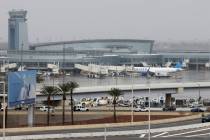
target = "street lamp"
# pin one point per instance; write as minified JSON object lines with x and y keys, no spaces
{"x":21,"y":56}
{"x":132,"y":70}
{"x":132,"y":97}
{"x":63,"y":62}
{"x":4,"y":110}
{"x":149,"y":115}
{"x":199,"y":93}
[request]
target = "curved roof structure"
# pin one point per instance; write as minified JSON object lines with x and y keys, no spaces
{"x":33,"y":46}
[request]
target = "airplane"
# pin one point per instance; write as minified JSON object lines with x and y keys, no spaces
{"x":158,"y":71}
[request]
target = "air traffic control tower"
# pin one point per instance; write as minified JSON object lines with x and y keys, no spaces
{"x":17,"y":30}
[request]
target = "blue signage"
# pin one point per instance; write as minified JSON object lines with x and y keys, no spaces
{"x":21,"y":87}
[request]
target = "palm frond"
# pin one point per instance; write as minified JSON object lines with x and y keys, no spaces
{"x":115,"y":92}
{"x":72,"y":85}
{"x":49,"y":90}
{"x":66,"y":87}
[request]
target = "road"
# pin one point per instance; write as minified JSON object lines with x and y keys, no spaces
{"x":190,"y":134}
{"x":145,"y":138}
{"x":201,"y":133}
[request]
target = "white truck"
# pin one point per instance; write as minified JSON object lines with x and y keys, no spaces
{"x":141,"y":109}
{"x":45,"y":109}
{"x":80,"y":108}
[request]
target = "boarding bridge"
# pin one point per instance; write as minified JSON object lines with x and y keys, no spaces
{"x":99,"y":69}
{"x":92,"y":68}
{"x":81,"y":67}
{"x":119,"y":68}
{"x":8,"y":66}
{"x":55,"y":68}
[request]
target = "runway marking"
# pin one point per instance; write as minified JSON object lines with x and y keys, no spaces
{"x":198,"y":135}
{"x":142,"y":135}
{"x":160,"y":134}
{"x":187,"y":132}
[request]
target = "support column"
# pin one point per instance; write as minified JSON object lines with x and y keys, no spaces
{"x":30,"y":115}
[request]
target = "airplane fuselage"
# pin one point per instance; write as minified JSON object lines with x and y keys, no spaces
{"x":158,"y":71}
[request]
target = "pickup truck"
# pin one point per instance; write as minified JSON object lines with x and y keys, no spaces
{"x":45,"y":109}
{"x":141,"y":109}
{"x":80,"y":108}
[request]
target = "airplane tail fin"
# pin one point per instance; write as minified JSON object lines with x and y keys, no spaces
{"x":178,"y":65}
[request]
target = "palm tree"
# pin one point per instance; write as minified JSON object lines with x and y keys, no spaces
{"x":64,"y":88}
{"x":72,"y":86}
{"x":49,"y":90}
{"x":115,"y":93}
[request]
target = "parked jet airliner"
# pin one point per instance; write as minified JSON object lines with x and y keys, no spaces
{"x":158,"y":71}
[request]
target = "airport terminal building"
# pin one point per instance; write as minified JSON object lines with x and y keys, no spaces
{"x":98,"y":51}
{"x":104,"y":52}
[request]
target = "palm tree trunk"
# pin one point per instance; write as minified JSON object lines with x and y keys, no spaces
{"x":64,"y":99}
{"x":48,"y":110}
{"x":72,"y":109}
{"x":115,"y":118}
{"x":6,"y":116}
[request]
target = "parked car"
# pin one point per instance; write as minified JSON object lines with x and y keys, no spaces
{"x":196,"y":105}
{"x":45,"y":109}
{"x":141,"y":109}
{"x":205,"y":119}
{"x":2,"y":109}
{"x":169,"y":108}
{"x":80,"y":108}
{"x":21,"y":107}
{"x":197,"y":110}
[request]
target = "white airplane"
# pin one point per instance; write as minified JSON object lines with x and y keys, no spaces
{"x":158,"y":71}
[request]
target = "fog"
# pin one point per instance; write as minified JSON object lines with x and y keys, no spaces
{"x":53,"y":20}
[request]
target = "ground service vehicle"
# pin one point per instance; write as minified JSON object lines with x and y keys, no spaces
{"x":80,"y":108}
{"x":141,"y":109}
{"x":45,"y":109}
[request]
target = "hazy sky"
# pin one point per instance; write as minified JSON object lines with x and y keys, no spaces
{"x":53,"y":20}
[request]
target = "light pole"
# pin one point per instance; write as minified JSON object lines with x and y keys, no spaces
{"x":132,"y":113}
{"x":63,"y":62}
{"x":116,"y":76}
{"x":199,"y":93}
{"x":21,"y":56}
{"x":132,"y":70}
{"x":149,"y":116}
{"x":4,"y":109}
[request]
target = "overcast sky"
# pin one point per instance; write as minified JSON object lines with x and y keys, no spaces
{"x":53,"y":20}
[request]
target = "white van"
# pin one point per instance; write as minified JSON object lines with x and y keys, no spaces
{"x":80,"y":108}
{"x":45,"y":109}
